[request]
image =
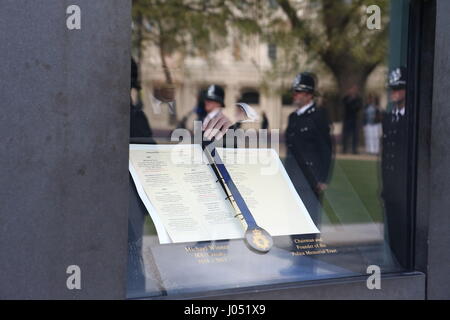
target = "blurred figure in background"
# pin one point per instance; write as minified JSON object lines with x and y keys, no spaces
{"x":352,"y":106}
{"x":139,"y":126}
{"x":372,"y":124}
{"x":198,"y":110}
{"x":265,"y":122}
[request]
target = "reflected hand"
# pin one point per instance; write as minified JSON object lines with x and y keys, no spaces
{"x":134,"y":96}
{"x":216,"y":127}
{"x":321,"y":187}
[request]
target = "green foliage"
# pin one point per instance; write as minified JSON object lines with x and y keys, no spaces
{"x":192,"y":27}
{"x":332,"y":33}
{"x":335,"y":32}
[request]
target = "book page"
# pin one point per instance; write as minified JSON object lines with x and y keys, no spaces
{"x":268,"y":191}
{"x":182,"y":194}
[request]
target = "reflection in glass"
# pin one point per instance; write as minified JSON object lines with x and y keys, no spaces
{"x":345,"y":149}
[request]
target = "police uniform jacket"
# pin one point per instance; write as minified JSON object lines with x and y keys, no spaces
{"x":394,"y":168}
{"x":394,"y":160}
{"x":309,"y":141}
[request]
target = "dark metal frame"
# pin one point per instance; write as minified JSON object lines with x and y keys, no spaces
{"x":433,"y":201}
{"x":420,"y":95}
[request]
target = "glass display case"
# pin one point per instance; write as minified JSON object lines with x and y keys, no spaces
{"x":344,"y":141}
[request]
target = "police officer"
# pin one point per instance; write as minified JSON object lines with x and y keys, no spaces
{"x":394,"y":167}
{"x":215,"y":124}
{"x":309,"y":141}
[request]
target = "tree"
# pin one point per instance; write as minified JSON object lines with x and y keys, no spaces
{"x":339,"y":38}
{"x":189,"y":27}
{"x":334,"y":32}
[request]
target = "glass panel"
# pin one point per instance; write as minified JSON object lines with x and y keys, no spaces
{"x":325,"y":85}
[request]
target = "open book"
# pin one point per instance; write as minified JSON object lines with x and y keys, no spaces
{"x":187,"y":202}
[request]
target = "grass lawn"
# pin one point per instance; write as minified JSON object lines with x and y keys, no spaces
{"x":353,"y":195}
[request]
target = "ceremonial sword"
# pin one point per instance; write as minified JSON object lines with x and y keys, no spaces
{"x":256,"y":237}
